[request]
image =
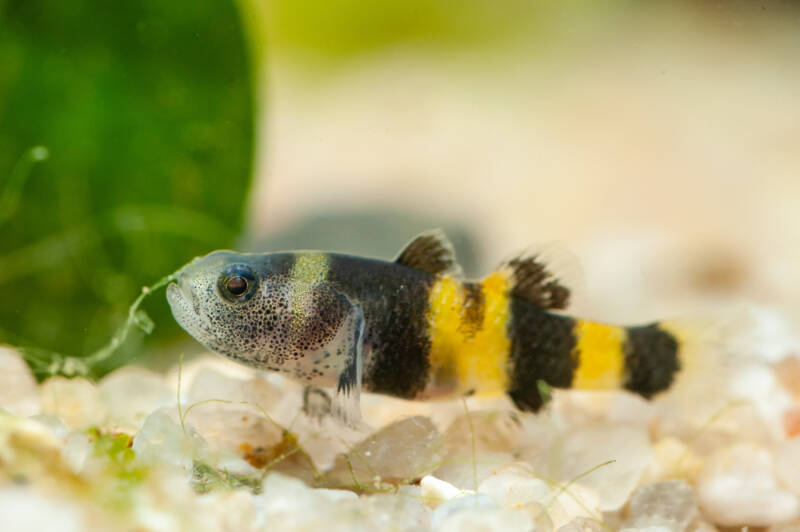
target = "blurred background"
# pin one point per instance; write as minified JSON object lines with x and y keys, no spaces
{"x":653,"y":149}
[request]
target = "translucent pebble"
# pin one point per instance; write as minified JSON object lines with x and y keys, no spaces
{"x":240,"y":430}
{"x":647,"y":529}
{"x":516,"y":486}
{"x":574,"y":502}
{"x":234,"y":428}
{"x":488,"y":431}
{"x":53,"y":423}
{"x":477,"y":502}
{"x":787,"y":464}
{"x":464,"y":472}
{"x":670,"y":504}
{"x":582,"y":407}
{"x":582,"y":524}
{"x":132,"y":394}
{"x":19,"y":393}
{"x":288,"y":504}
{"x":76,"y":401}
{"x":25,"y":510}
{"x":161,"y":440}
{"x":540,"y":515}
{"x":624,"y":450}
{"x":27,"y":448}
{"x":76,"y":450}
{"x":480,"y":521}
{"x":768,"y":402}
{"x":209,"y":384}
{"x":404,"y":450}
{"x":226,"y":510}
{"x":737,"y":487}
{"x":397,"y":512}
{"x":478,"y":513}
{"x":699,"y":525}
{"x":793,"y":526}
{"x":672,"y":459}
{"x":512,"y":487}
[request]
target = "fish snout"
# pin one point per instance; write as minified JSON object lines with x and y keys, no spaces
{"x":180,"y":293}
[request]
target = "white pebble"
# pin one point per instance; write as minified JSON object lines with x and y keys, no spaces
{"x":479,"y":513}
{"x":76,"y":401}
{"x":486,"y":521}
{"x":670,"y":504}
{"x":210,"y":384}
{"x":436,"y":491}
{"x":18,"y":391}
{"x":513,"y":488}
{"x":647,"y":529}
{"x":625,"y":451}
{"x":76,"y":450}
{"x":161,"y":440}
{"x":53,"y":423}
{"x":785,"y":527}
{"x":25,"y":510}
{"x":787,"y":464}
{"x":737,"y":487}
{"x":582,"y":524}
{"x":132,"y":394}
{"x":286,"y":503}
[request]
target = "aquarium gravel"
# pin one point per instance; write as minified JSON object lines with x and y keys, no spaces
{"x":211,"y":445}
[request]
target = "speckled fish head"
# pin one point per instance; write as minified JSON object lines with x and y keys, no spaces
{"x":266,"y":310}
{"x":235,"y":304}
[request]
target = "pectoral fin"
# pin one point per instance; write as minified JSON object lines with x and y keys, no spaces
{"x":346,"y":405}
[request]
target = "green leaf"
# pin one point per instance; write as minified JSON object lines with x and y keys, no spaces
{"x":138,"y":116}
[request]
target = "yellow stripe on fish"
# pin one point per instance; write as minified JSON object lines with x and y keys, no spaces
{"x":468,"y":328}
{"x":600,"y":353}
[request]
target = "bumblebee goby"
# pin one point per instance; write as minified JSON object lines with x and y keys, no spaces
{"x":412,"y":328}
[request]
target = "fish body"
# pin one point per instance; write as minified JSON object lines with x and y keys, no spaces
{"x":412,"y":328}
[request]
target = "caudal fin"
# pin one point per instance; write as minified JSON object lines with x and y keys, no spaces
{"x":690,"y":359}
{"x":711,"y":353}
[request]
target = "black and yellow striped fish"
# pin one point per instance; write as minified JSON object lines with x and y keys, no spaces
{"x":412,"y":328}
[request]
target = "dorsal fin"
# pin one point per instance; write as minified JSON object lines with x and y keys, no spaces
{"x":533,"y":282}
{"x":430,"y":252}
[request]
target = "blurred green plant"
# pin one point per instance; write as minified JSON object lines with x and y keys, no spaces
{"x":140,"y":117}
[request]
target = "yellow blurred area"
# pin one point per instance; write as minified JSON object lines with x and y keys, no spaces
{"x":658,"y":141}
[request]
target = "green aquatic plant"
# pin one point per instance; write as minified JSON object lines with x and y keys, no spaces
{"x":146,"y":123}
{"x":119,"y":463}
{"x":48,"y":364}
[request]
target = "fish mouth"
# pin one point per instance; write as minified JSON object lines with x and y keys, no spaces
{"x":180,"y":295}
{"x":185,"y":306}
{"x":174,"y":295}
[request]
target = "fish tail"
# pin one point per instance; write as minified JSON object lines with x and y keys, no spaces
{"x":564,"y":352}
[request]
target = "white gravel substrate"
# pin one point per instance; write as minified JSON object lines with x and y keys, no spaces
{"x":238,"y":456}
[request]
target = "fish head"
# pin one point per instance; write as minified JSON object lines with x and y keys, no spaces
{"x":236,"y":304}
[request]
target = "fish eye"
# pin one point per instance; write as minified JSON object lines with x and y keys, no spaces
{"x":237,"y":284}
